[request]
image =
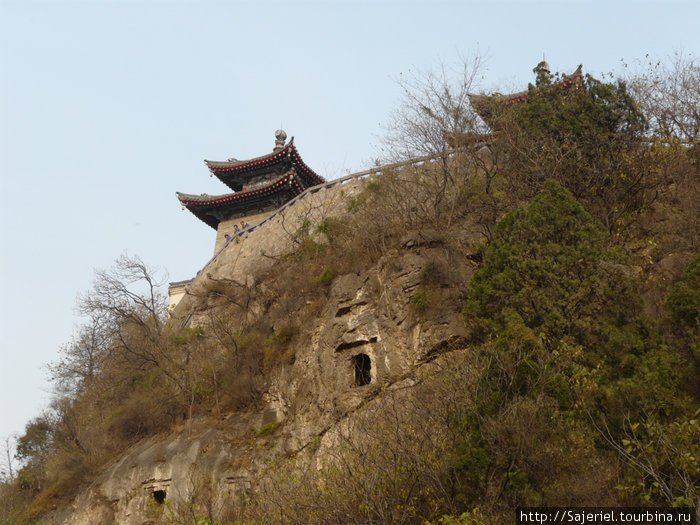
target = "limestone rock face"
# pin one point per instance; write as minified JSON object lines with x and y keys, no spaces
{"x":368,"y":337}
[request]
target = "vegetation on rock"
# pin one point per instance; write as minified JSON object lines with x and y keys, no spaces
{"x":577,"y":382}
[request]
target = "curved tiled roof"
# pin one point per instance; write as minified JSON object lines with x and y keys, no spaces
{"x":277,"y":177}
{"x":236,"y":165}
{"x":202,"y":205}
{"x":234,"y":171}
{"x":482,"y":103}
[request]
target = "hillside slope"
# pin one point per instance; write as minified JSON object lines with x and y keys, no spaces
{"x":306,"y":403}
{"x":512,"y":322}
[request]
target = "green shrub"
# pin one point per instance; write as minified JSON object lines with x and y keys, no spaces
{"x":373,"y":186}
{"x":325,"y":277}
{"x":278,"y":347}
{"x":267,"y":429}
{"x":566,"y":353}
{"x":684,"y":298}
{"x":589,"y":139}
{"x":419,"y":301}
{"x":545,"y":264}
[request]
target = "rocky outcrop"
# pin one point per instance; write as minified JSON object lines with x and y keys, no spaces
{"x":368,"y":336}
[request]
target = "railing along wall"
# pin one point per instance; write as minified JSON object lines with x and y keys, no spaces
{"x":243,"y":234}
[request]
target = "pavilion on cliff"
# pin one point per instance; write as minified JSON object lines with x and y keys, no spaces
{"x":485,"y":105}
{"x":488,"y":107}
{"x":260,"y":186}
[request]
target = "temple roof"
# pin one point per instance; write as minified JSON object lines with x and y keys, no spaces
{"x":483,"y":104}
{"x":259,"y":183}
{"x":234,"y":172}
{"x":250,"y":164}
{"x":211,"y":208}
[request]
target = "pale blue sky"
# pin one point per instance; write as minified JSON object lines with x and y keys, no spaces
{"x":108,"y":108}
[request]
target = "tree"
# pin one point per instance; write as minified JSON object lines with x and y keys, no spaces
{"x":589,"y":138}
{"x":12,"y":498}
{"x":435,"y":105}
{"x":131,"y":311}
{"x":683,"y":301}
{"x":435,"y":121}
{"x":7,"y":471}
{"x":32,"y":450}
{"x":563,"y":334}
{"x":549,"y":266}
{"x":115,"y":296}
{"x":668,"y":94}
{"x":82,"y":359}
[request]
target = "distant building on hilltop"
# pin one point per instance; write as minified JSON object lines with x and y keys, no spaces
{"x":260,"y":186}
{"x":490,"y":107}
{"x":487,"y":105}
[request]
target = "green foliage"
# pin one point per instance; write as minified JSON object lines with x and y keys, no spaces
{"x":564,"y":377}
{"x":596,"y":111}
{"x":325,"y":277}
{"x":683,"y":301}
{"x":329,"y":227}
{"x":590,"y":138}
{"x":36,"y":441}
{"x":429,"y":273}
{"x":466,"y":518}
{"x":684,"y":298}
{"x":419,"y":301}
{"x":545,"y":265}
{"x":666,"y":457}
{"x":278,"y":346}
{"x":373,"y":186}
{"x":267,"y":429}
{"x":304,"y":229}
{"x":564,"y":348}
{"x":33,"y":449}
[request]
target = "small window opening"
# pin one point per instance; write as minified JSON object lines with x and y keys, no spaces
{"x":363,"y":366}
{"x":159,"y":496}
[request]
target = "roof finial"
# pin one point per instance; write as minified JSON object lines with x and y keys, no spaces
{"x":280,"y":137}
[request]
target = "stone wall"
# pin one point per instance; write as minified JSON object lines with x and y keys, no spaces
{"x":268,"y":237}
{"x":227,"y":227}
{"x":176,"y":291}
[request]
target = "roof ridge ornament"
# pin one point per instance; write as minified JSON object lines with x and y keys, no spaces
{"x":280,"y":138}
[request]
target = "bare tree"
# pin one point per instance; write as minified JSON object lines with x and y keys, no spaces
{"x":116,"y":295}
{"x":82,"y":358}
{"x":435,"y":120}
{"x":130,"y":306}
{"x":7,"y":468}
{"x":668,"y":93}
{"x":435,"y":104}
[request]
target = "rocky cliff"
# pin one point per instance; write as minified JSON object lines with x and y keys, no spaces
{"x":367,"y":339}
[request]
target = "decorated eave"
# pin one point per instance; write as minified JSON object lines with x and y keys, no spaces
{"x":482,"y":103}
{"x":259,"y":184}
{"x":208,"y":208}
{"x":234,"y":172}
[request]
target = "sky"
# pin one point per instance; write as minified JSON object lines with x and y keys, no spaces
{"x":107,"y":108}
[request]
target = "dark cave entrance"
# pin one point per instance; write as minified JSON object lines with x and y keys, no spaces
{"x":363,"y":366}
{"x":159,"y":496}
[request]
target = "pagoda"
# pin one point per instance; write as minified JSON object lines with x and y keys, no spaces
{"x":260,"y":186}
{"x":487,"y":106}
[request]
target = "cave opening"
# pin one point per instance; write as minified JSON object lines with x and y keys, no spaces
{"x":159,"y":496}
{"x":363,"y":366}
